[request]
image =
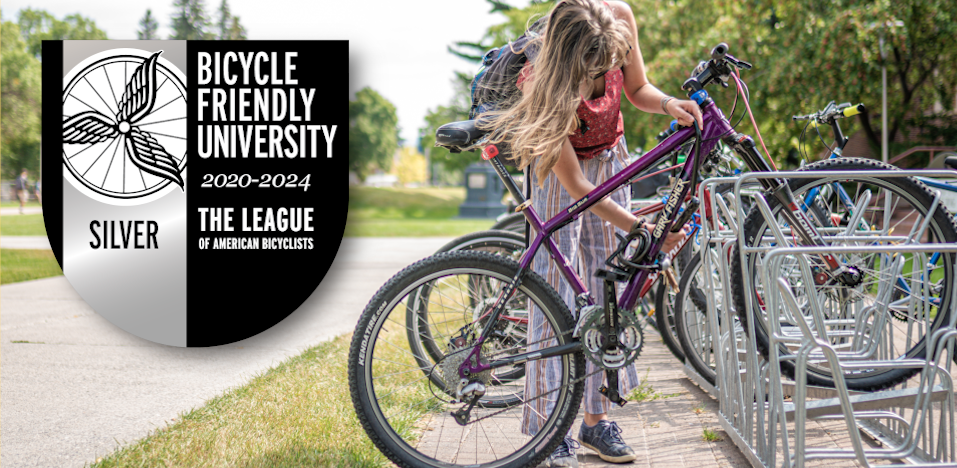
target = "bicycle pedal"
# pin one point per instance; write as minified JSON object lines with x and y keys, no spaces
{"x":617,"y":276}
{"x":615,"y":398}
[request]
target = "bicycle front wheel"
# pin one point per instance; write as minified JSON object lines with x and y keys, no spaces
{"x":408,"y":417}
{"x":921,"y":296}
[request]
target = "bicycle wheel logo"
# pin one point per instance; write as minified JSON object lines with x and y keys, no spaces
{"x":124,"y":126}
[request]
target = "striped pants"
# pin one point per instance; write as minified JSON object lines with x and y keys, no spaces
{"x":586,"y":243}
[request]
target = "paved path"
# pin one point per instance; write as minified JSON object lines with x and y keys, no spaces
{"x":25,"y":242}
{"x":16,"y":210}
{"x":74,"y":386}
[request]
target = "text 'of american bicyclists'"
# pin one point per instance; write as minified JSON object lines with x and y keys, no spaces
{"x":262,"y":89}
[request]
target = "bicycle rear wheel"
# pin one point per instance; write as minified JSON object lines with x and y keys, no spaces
{"x":903,"y":334}
{"x":426,"y":334}
{"x":404,"y":413}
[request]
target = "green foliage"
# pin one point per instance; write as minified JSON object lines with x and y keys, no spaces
{"x":236,"y":30}
{"x":227,"y":24}
{"x":710,"y":435}
{"x":410,"y":167}
{"x":20,"y":106}
{"x":190,"y":20}
{"x":805,"y":53}
{"x":37,"y":26}
{"x":373,"y":132}
{"x":450,"y":162}
{"x":148,"y":27}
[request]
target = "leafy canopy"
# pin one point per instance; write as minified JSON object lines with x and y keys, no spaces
{"x":373,"y":132}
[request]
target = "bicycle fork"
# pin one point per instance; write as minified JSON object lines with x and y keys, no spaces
{"x":792,"y":212}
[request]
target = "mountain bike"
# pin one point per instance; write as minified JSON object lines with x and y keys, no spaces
{"x":892,"y":206}
{"x":483,"y":420}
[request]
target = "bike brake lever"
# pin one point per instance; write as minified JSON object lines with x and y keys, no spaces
{"x":738,"y":63}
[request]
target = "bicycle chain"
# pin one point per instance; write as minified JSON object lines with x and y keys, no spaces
{"x":573,"y":382}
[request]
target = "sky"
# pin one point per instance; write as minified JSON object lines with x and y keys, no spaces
{"x":399,"y":48}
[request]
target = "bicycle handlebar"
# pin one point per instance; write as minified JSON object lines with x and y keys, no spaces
{"x":719,"y":68}
{"x":830,"y":113}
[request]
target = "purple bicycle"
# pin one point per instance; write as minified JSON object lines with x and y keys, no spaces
{"x":473,"y":403}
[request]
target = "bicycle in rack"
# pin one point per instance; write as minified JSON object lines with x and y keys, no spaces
{"x":506,"y":238}
{"x":482,"y":414}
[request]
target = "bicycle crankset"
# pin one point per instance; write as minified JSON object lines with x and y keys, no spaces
{"x":610,"y":354}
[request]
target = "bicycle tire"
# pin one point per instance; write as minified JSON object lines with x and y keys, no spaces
{"x":691,"y":320}
{"x":942,"y":228}
{"x":405,"y":439}
{"x":514,"y":222}
{"x":417,"y":321}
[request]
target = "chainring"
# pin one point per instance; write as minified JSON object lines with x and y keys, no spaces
{"x":631,"y":338}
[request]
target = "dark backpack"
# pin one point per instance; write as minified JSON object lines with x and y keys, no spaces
{"x":495,"y":81}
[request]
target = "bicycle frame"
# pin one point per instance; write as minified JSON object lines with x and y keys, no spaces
{"x":716,"y":126}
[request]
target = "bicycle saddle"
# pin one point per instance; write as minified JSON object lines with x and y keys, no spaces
{"x":461,"y":133}
{"x":951,"y":162}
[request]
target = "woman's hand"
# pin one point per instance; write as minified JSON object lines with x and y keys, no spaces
{"x":685,"y":112}
{"x":673,"y":238}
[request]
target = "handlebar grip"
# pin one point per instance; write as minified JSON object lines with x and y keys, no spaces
{"x":673,"y":126}
{"x":719,"y":51}
{"x":853,"y":110}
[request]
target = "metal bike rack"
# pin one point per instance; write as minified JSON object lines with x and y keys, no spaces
{"x":914,"y":420}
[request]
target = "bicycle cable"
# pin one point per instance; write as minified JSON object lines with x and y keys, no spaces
{"x":818,"y":128}
{"x":747,"y":106}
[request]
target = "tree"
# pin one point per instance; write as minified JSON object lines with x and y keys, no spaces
{"x":373,"y":126}
{"x":228,"y":26}
{"x":805,"y":53}
{"x":38,"y":25}
{"x":20,"y":107}
{"x":225,"y":20}
{"x":148,"y":27}
{"x":236,"y":30}
{"x":190,"y":20}
{"x":410,"y":167}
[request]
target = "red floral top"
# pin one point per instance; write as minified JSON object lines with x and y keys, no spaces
{"x":600,"y":120}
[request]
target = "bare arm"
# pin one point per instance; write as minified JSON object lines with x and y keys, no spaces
{"x":570,"y":175}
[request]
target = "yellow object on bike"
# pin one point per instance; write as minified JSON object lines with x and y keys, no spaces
{"x":853,"y":110}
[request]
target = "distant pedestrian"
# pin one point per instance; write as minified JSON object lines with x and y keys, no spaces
{"x":21,"y":185}
{"x":37,"y":191}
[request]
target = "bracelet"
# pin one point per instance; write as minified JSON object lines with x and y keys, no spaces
{"x":664,"y":103}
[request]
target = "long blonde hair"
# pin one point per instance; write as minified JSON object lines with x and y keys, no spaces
{"x":582,"y":39}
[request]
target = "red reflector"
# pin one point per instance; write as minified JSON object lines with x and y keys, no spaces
{"x":489,"y":152}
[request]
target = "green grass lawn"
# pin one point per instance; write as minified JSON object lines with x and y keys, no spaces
{"x":409,"y":212}
{"x":296,"y":414}
{"x":22,"y":225}
{"x":26,"y":265}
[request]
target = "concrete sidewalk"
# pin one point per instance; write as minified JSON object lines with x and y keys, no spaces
{"x":74,"y":386}
{"x":25,"y":242}
{"x":16,"y":210}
